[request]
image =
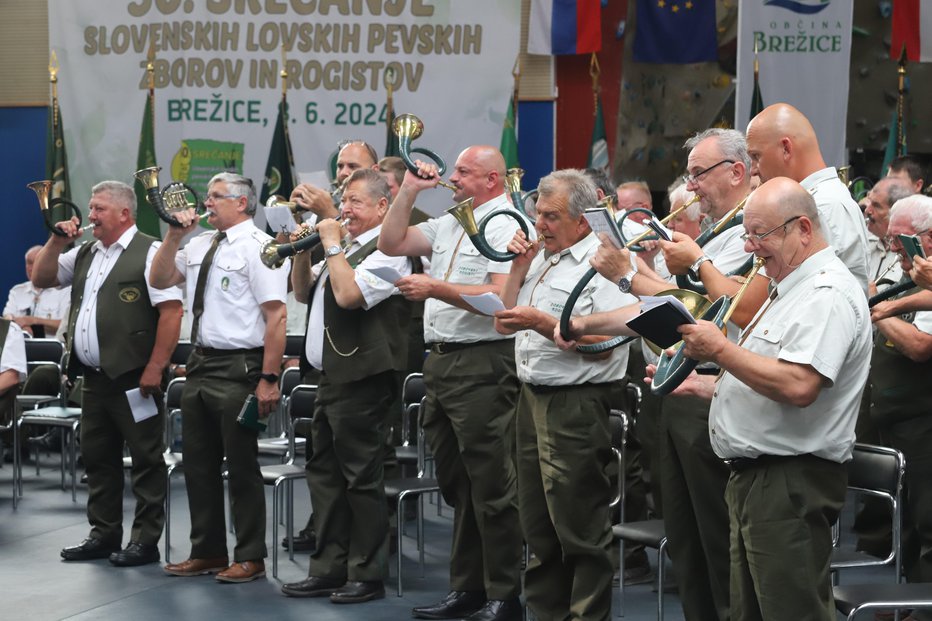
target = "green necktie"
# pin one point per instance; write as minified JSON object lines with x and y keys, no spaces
{"x":197,"y":308}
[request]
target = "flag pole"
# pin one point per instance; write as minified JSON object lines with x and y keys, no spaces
{"x":284,"y":112}
{"x":901,"y":104}
{"x":516,"y":77}
{"x":594,"y":72}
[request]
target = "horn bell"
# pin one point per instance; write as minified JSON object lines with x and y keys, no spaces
{"x":463,"y":213}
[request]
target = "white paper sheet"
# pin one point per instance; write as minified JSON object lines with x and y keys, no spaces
{"x":142,"y":407}
{"x":487,"y":303}
{"x":388,"y":274}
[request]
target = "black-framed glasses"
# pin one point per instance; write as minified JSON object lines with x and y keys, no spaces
{"x":758,"y":238}
{"x":687,"y":178}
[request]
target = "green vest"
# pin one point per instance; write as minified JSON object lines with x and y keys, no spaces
{"x":899,"y":386}
{"x":359,"y":343}
{"x":126,"y":320}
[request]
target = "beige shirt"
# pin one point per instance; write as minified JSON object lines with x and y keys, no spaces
{"x":819,"y":318}
{"x":86,"y":344}
{"x":444,"y":322}
{"x":237,"y":284}
{"x":549,"y":282}
{"x":26,"y":300}
{"x":842,"y":221}
{"x":14,"y":352}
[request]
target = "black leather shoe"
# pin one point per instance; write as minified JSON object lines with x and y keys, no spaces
{"x":136,"y":554}
{"x":304,"y":541}
{"x":456,"y":605}
{"x":498,"y":610}
{"x":312,"y":586}
{"x":358,"y":592}
{"x":90,"y":549}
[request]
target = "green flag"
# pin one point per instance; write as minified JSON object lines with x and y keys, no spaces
{"x":757,"y":101}
{"x":279,"y":171}
{"x":391,"y":138}
{"x":892,"y":152}
{"x":509,"y":146}
{"x":56,"y":159}
{"x":147,"y":220}
{"x":598,"y":151}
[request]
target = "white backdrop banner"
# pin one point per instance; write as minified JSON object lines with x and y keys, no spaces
{"x":804,"y":48}
{"x":217,"y":79}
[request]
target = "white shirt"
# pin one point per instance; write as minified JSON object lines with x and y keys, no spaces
{"x":14,"y":352}
{"x":237,"y":284}
{"x":444,"y":322}
{"x":86,"y":344}
{"x":842,"y":221}
{"x":882,"y":263}
{"x":548,"y":284}
{"x":373,"y":289}
{"x":26,"y":300}
{"x":818,"y":318}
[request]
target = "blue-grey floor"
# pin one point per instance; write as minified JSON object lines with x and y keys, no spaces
{"x":36,"y":585}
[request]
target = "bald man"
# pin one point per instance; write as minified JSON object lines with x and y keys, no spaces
{"x":352,"y":156}
{"x":782,"y":143}
{"x":471,"y":384}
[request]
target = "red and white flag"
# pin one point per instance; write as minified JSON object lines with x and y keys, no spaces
{"x":912,"y":29}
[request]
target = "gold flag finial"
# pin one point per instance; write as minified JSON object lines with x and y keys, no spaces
{"x":150,"y":66}
{"x":53,"y":67}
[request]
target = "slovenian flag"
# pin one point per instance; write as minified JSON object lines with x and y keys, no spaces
{"x":912,"y":29}
{"x":565,"y":27}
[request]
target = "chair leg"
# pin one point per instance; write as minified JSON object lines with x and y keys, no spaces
{"x":275,"y":529}
{"x":660,"y":578}
{"x":63,"y":454}
{"x":399,"y":514}
{"x":420,"y":531}
{"x":289,"y":520}
{"x":168,"y":515}
{"x":74,"y":461}
{"x":16,"y":465}
{"x":621,"y":577}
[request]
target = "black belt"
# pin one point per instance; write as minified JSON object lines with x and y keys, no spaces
{"x":540,"y":389}
{"x":210,"y":351}
{"x":741,"y":464}
{"x":446,"y":348}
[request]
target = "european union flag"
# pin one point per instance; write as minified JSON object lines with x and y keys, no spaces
{"x":675,"y":31}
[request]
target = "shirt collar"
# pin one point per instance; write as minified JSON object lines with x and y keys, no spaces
{"x":240,"y":229}
{"x":122,"y":242}
{"x":367,"y":236}
{"x":808,"y":267}
{"x":818,"y":177}
{"x":487,"y":207}
{"x":580,"y":251}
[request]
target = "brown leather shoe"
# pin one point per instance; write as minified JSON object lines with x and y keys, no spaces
{"x":197,"y":566}
{"x":243,"y":571}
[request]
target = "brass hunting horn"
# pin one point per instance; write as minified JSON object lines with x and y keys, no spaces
{"x":175,"y":197}
{"x":733,"y":218}
{"x":43,"y":190}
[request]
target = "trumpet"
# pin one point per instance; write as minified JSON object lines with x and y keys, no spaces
{"x":43,"y":190}
{"x":171,"y":199}
{"x":273,"y":254}
{"x":672,"y":370}
{"x":408,"y":127}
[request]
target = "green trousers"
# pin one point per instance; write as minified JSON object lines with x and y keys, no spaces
{"x":344,"y":474}
{"x":781,"y":539}
{"x":564,"y":447}
{"x":695,"y":516}
{"x":106,"y":424}
{"x":469,"y":424}
{"x":214,"y":392}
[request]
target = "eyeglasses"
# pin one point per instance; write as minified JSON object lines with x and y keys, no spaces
{"x":758,"y":238}
{"x":217,"y":197}
{"x":687,"y":178}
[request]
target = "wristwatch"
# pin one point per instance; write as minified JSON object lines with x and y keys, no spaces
{"x":333,"y":250}
{"x":269,"y":377}
{"x":693,"y":270}
{"x":624,"y":284}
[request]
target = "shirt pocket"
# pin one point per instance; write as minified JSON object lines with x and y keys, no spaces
{"x":558,"y":291}
{"x":766,"y":340}
{"x":469,"y":267}
{"x":232,"y":275}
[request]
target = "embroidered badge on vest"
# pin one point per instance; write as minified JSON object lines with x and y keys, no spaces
{"x":225,"y":283}
{"x":130,"y":294}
